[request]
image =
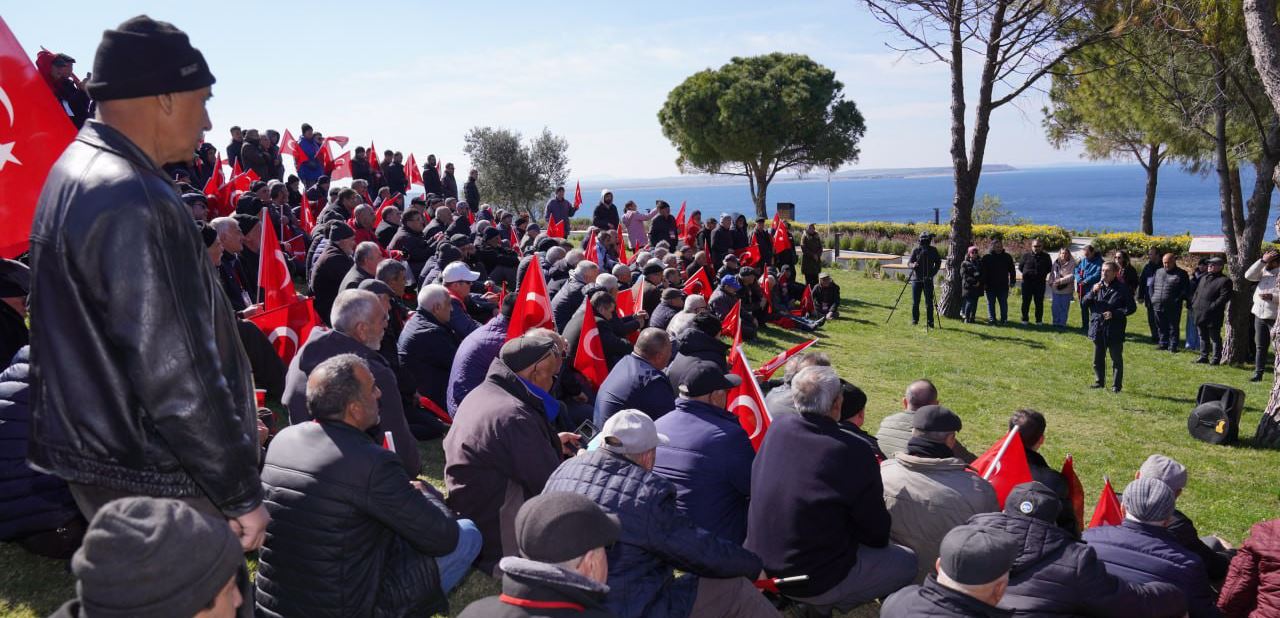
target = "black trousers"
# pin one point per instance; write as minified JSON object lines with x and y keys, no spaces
{"x":1168,"y":323}
{"x":1100,"y":350}
{"x":925,"y":289}
{"x":1085,"y":314}
{"x":1153,"y":322}
{"x":1261,"y":341}
{"x":1210,"y":341}
{"x":1033,"y":292}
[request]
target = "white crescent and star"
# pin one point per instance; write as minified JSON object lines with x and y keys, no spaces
{"x":284,"y":266}
{"x":6,"y":149}
{"x":540,"y":302}
{"x":283,"y":331}
{"x":586,"y":342}
{"x":747,"y":402}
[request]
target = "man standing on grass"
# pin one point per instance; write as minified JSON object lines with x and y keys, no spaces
{"x":924,"y":264}
{"x":140,"y":384}
{"x":1035,"y":267}
{"x":1210,"y":304}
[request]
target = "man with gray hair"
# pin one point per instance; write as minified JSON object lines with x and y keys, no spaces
{"x":569,"y":298}
{"x":895,"y":430}
{"x":638,"y":381}
{"x":367,"y":256}
{"x":1141,"y":549}
{"x":230,"y":272}
{"x":359,"y":321}
{"x":779,"y":399}
{"x":330,"y":482}
{"x":973,"y":575}
{"x":428,"y":344}
{"x":1211,"y":549}
{"x":817,"y":504}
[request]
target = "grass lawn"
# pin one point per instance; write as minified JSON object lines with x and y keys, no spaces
{"x":984,"y":373}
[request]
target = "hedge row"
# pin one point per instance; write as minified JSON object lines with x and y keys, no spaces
{"x":1139,"y":244}
{"x":1054,"y":237}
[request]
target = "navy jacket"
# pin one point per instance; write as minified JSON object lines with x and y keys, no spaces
{"x":30,"y":501}
{"x":932,"y":600}
{"x":1141,"y":553}
{"x":708,"y":459}
{"x":661,"y":315}
{"x":426,"y":349}
{"x":656,"y":538}
{"x":1115,"y":298}
{"x":693,"y":346}
{"x":816,"y":496}
{"x":1056,"y":575}
{"x":567,"y":301}
{"x":634,"y":384}
{"x":472,"y":360}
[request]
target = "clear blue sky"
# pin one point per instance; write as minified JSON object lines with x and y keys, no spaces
{"x":414,"y":76}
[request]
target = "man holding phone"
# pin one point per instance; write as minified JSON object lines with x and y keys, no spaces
{"x":1110,"y":303}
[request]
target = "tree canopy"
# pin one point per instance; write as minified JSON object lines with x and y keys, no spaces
{"x":761,"y":115}
{"x":516,"y":174}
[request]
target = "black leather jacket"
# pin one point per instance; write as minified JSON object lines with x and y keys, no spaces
{"x":139,"y":381}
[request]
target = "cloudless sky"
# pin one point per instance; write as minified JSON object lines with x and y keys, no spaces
{"x":415,"y":76}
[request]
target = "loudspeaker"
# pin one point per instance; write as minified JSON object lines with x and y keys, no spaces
{"x":1216,"y":417}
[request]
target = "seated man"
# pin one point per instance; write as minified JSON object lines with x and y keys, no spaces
{"x":366,"y":258}
{"x":1181,"y":527}
{"x":331,"y":267}
{"x":817,"y":505}
{"x":709,"y":455}
{"x":896,"y":429}
{"x":656,"y":538}
{"x":1055,"y":574}
{"x":853,"y":415}
{"x":973,"y":573}
{"x":672,"y":301}
{"x":562,"y":563}
{"x":156,"y":557}
{"x":1250,"y":588}
{"x":637,"y":381}
{"x":779,"y":398}
{"x":826,"y":297}
{"x":503,"y":444}
{"x":351,"y":534}
{"x":1031,"y":428}
{"x":1142,"y":549}
{"x":476,"y":353}
{"x":358,"y":323}
{"x":928,"y":490}
{"x":428,"y":344}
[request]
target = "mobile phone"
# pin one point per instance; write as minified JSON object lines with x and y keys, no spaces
{"x":587,"y":431}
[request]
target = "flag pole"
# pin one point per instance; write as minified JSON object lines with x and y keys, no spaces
{"x":999,"y":454}
{"x":755,"y":384}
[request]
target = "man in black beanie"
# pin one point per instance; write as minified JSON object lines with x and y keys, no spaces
{"x":157,"y":399}
{"x":155,"y":558}
{"x":15,"y":284}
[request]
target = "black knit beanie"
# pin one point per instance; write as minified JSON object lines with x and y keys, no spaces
{"x":144,"y":57}
{"x":145,"y":557}
{"x":207,"y":234}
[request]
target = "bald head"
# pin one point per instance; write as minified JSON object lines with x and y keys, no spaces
{"x":919,"y":394}
{"x":654,"y":346}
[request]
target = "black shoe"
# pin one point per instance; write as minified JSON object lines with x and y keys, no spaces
{"x":1201,"y":360}
{"x":929,"y":325}
{"x":1215,"y":362}
{"x":1115,"y":389}
{"x":990,"y":322}
{"x":1257,"y":377}
{"x":1096,"y":385}
{"x":1173,"y":350}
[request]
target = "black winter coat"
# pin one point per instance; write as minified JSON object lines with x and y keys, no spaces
{"x":326,"y":279}
{"x":426,"y":350}
{"x":694,"y":346}
{"x":450,"y":186}
{"x":1043,"y":474}
{"x":1057,"y":575}
{"x":1213,"y":292}
{"x":1035,"y":267}
{"x":567,"y":301}
{"x":30,"y":501}
{"x":431,"y":182}
{"x":663,"y":229}
{"x":349,"y":536}
{"x":540,"y":590}
{"x":471,"y":194}
{"x":932,"y":600}
{"x":1115,"y":298}
{"x":413,"y":246}
{"x":605,"y":216}
{"x":925,"y":262}
{"x":160,"y":332}
{"x":998,"y":273}
{"x":971,"y":277}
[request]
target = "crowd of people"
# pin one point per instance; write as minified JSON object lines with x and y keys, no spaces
{"x":640,"y":494}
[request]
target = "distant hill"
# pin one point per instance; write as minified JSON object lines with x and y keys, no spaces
{"x":707,"y":180}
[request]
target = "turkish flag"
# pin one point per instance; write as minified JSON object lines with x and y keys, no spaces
{"x":289,"y":146}
{"x":680,"y":217}
{"x":373,"y":157}
{"x":515,"y":242}
{"x":533,"y":308}
{"x":1108,"y":512}
{"x":324,"y":157}
{"x":577,"y":194}
{"x":626,"y":303}
{"x":412,"y":172}
{"x":781,"y":235}
{"x":1075,"y":491}
{"x":341,"y":167}
{"x":772,"y":365}
{"x":622,"y":251}
{"x":589,"y":359}
{"x":273,"y":272}
{"x":592,"y":249}
{"x":746,"y":402}
{"x":288,"y":327}
{"x":732,"y":322}
{"x":700,"y":278}
{"x":555,"y":229}
{"x":306,"y":217}
{"x":806,"y":303}
{"x":1004,"y":465}
{"x":340,"y":140}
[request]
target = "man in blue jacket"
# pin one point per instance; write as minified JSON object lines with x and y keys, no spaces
{"x":1088,"y":272}
{"x":637,"y":381}
{"x":709,"y":455}
{"x":656,"y":537}
{"x":1142,"y":549}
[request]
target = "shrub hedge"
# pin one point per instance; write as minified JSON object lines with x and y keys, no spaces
{"x":1139,"y":244}
{"x":869,"y":235}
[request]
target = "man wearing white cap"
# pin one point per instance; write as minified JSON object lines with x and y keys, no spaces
{"x":457,"y":278}
{"x":656,"y":538}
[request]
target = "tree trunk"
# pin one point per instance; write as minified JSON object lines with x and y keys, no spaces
{"x":1238,"y":343}
{"x":1264,"y":40}
{"x":1152,"y":167}
{"x":759,"y":179}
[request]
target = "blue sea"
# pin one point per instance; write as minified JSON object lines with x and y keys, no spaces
{"x":1084,"y":197}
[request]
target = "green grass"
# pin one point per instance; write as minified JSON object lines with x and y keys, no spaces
{"x":984,"y":373}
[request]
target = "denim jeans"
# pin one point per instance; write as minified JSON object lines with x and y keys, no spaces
{"x":455,"y":564}
{"x":919,"y":288}
{"x":970,"y":306}
{"x":1193,"y":336}
{"x":1261,"y":341}
{"x":1002,"y":296}
{"x":1061,"y":308}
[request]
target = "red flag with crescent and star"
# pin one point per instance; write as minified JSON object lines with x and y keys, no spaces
{"x":1004,"y":465}
{"x":288,"y":327}
{"x":306,"y":217}
{"x":34,"y":130}
{"x":680,"y":218}
{"x":273,"y":272}
{"x":533,"y":308}
{"x":289,"y":146}
{"x":700,"y":278}
{"x":589,"y":359}
{"x":772,"y":365}
{"x":577,"y":195}
{"x":555,"y":229}
{"x":413,"y":173}
{"x":341,"y":167}
{"x":781,"y":235}
{"x":746,"y":401}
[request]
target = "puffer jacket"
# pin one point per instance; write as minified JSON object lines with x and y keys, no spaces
{"x":1252,"y":587}
{"x":30,"y":501}
{"x":1268,"y":281}
{"x":926,"y":498}
{"x":655,"y":540}
{"x":1056,"y":575}
{"x":568,"y":301}
{"x":427,"y":350}
{"x":1169,"y":289}
{"x":696,"y":346}
{"x":537,"y":589}
{"x":1141,"y":553}
{"x":472,"y":360}
{"x":157,"y":398}
{"x":349,"y":536}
